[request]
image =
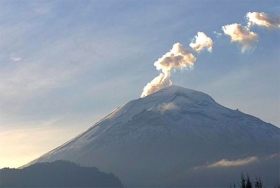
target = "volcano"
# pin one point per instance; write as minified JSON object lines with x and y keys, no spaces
{"x":176,"y":137}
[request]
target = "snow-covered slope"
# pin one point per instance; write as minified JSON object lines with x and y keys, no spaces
{"x":169,"y":136}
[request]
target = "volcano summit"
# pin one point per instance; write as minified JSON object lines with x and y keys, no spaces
{"x":176,"y":137}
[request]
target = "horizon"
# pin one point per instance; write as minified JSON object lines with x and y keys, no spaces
{"x":67,"y":64}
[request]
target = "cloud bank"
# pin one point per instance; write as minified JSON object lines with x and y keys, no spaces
{"x":177,"y":58}
{"x":201,"y":41}
{"x":262,"y":19}
{"x":241,"y":34}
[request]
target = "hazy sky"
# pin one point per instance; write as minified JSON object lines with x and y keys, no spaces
{"x":66,"y":64}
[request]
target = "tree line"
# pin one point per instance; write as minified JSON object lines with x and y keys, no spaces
{"x":246,"y":182}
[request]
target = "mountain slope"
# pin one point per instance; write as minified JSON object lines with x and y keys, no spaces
{"x":167,"y":138}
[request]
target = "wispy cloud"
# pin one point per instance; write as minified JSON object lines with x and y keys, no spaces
{"x":273,"y":156}
{"x":15,"y":57}
{"x":167,"y":107}
{"x":228,"y":163}
{"x":241,"y":34}
{"x":239,"y":162}
{"x":217,"y":34}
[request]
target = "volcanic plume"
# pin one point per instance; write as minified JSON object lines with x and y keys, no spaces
{"x":241,"y":34}
{"x":177,"y":58}
{"x":262,"y":19}
{"x":201,"y":41}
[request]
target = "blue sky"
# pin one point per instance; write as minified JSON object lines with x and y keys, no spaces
{"x":66,"y":64}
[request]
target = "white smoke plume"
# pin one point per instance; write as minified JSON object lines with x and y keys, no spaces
{"x":201,"y":41}
{"x":177,"y":58}
{"x":159,"y":82}
{"x":262,"y":19}
{"x":241,"y":34}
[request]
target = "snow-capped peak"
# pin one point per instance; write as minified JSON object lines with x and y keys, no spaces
{"x":170,"y":96}
{"x":171,"y":129}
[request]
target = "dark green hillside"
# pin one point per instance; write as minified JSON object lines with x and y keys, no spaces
{"x":57,"y":174}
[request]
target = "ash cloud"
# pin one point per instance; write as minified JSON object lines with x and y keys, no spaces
{"x":177,"y":58}
{"x":200,"y":42}
{"x":262,"y":19}
{"x":242,"y":35}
